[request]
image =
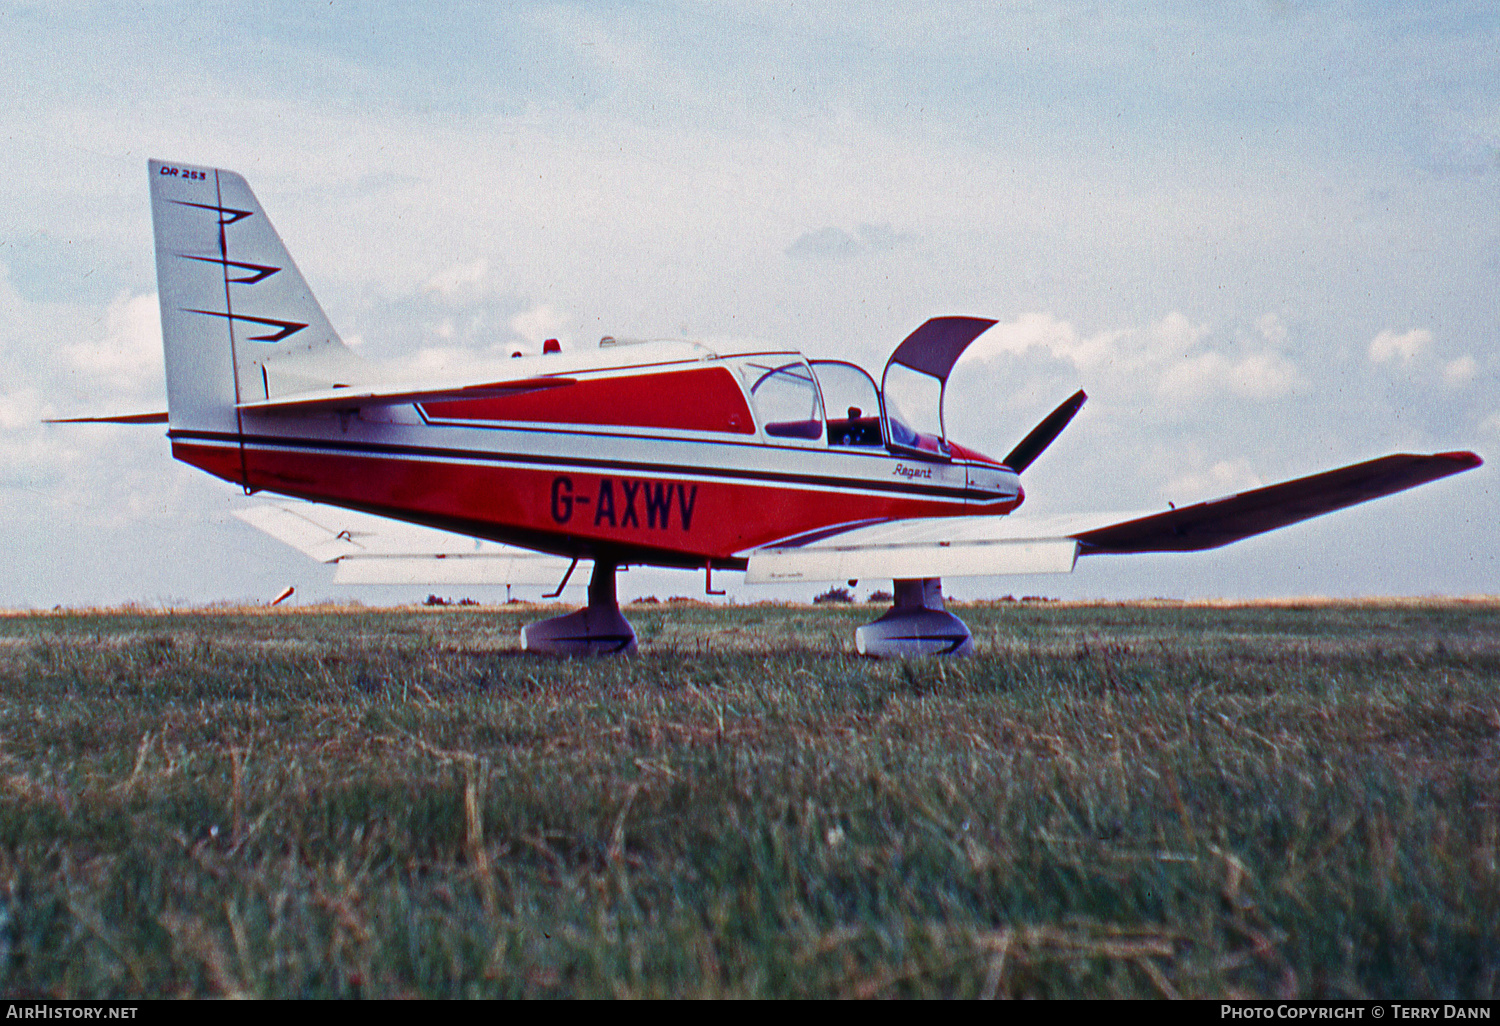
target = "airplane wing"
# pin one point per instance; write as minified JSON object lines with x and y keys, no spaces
{"x":993,"y":546}
{"x":375,"y":550}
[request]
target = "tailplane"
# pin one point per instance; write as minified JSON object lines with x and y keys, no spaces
{"x":238,"y":321}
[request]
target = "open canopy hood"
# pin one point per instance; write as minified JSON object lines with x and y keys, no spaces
{"x":929,"y":352}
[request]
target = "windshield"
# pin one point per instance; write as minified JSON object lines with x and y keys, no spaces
{"x":913,"y":409}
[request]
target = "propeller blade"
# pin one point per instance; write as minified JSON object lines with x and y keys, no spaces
{"x":1034,"y":444}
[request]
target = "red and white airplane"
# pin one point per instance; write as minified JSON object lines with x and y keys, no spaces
{"x":661,"y":453}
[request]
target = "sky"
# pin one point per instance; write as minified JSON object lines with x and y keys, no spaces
{"x":1263,"y":236}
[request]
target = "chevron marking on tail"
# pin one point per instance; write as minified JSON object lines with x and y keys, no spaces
{"x":262,"y":272}
{"x":287,"y":327}
{"x":238,"y":214}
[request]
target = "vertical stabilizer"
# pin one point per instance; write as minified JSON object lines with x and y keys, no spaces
{"x":231,"y":297}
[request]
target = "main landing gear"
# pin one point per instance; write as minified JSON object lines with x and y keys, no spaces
{"x":598,"y":629}
{"x":917,"y":625}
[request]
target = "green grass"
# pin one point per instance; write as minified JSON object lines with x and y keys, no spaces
{"x":1112,"y":801}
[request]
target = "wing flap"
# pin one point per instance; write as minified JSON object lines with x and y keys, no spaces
{"x":976,"y":559}
{"x":979,"y":546}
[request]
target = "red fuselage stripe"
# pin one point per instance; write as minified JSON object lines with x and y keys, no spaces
{"x":682,"y":517}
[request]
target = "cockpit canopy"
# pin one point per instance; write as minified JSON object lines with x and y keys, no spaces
{"x":916,"y":379}
{"x":795,"y":401}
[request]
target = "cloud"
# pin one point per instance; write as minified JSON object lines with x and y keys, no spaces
{"x":1388,"y":345}
{"x":1223,"y":478}
{"x":33,"y":453}
{"x":539,"y":324}
{"x":467,"y":347}
{"x":1460,"y":371}
{"x":1272,"y":329}
{"x":1260,"y":376}
{"x":441,"y":363}
{"x":1160,"y":358}
{"x":452,"y":280}
{"x":1057,"y":338}
{"x":128,"y":358}
{"x":1175,"y":332}
{"x":20,"y":410}
{"x":837,"y":244}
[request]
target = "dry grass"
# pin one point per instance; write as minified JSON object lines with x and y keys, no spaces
{"x":1110,"y":800}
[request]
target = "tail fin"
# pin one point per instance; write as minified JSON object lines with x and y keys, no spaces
{"x":232,"y":300}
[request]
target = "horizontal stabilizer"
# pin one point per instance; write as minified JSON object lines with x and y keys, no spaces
{"x":375,"y":550}
{"x":344,"y":398}
{"x":1208,"y":525}
{"x":124,"y":418}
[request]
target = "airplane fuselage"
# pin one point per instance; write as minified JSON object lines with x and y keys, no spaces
{"x":669,"y":465}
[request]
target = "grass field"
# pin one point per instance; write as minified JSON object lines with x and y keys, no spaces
{"x":1113,"y":801}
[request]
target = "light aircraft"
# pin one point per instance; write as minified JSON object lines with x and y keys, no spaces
{"x":662,"y":453}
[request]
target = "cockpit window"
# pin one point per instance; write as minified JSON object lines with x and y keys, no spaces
{"x":852,"y":402}
{"x":785,"y":397}
{"x":913,"y":409}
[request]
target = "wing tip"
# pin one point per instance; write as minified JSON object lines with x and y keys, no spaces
{"x":1466,"y":460}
